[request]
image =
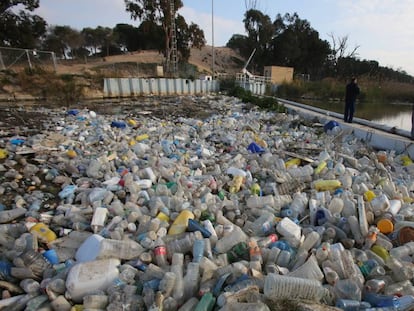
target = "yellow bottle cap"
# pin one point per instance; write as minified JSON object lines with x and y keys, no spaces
{"x":385,"y":226}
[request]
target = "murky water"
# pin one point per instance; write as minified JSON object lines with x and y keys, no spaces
{"x":390,"y":114}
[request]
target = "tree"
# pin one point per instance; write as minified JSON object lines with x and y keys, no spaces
{"x":297,"y":44}
{"x":63,"y":40}
{"x":158,"y":12}
{"x":128,"y":37}
{"x":259,"y":30}
{"x":20,"y":29}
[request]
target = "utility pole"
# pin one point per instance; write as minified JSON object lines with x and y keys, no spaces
{"x":173,"y":60}
{"x":212,"y":39}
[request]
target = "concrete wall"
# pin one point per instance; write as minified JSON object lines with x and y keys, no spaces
{"x":125,"y":87}
{"x":278,"y":74}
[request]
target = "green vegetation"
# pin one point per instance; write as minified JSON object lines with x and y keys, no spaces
{"x":267,"y":103}
{"x":334,"y":89}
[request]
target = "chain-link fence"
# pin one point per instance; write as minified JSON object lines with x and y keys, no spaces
{"x":20,"y":59}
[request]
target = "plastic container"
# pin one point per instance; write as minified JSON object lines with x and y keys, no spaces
{"x":286,"y":287}
{"x":10,"y":215}
{"x":43,"y":232}
{"x":122,"y":249}
{"x":89,"y":277}
{"x":181,"y":222}
{"x":224,"y":244}
{"x":290,"y":230}
{"x":89,"y":249}
{"x":206,"y":302}
{"x":326,"y":185}
{"x":98,"y":219}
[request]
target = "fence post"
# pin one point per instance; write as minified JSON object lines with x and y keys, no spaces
{"x":28,"y":59}
{"x":2,"y":67}
{"x":54,"y":61}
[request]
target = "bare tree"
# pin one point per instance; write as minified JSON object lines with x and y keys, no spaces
{"x":250,"y":4}
{"x":340,"y":47}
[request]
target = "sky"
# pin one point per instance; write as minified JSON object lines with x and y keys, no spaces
{"x":381,"y":30}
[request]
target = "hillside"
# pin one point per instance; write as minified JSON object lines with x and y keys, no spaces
{"x":84,"y":79}
{"x":227,"y":61}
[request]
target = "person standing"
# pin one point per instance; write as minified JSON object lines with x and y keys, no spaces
{"x":351,"y":93}
{"x":412,"y":123}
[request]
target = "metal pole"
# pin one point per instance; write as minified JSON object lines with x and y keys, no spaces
{"x":212,"y":38}
{"x":2,"y":67}
{"x":28,"y":59}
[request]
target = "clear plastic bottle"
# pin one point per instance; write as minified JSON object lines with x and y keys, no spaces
{"x":225,"y":243}
{"x":122,"y":249}
{"x":285,"y":287}
{"x":167,"y":284}
{"x":402,"y":251}
{"x":198,"y":250}
{"x":160,"y":253}
{"x":177,"y":263}
{"x":191,"y":280}
{"x":182,"y":245}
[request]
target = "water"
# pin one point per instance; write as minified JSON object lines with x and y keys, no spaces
{"x":390,"y":114}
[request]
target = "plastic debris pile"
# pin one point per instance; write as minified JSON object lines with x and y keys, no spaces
{"x":231,"y":212}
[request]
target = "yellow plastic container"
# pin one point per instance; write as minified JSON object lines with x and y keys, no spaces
{"x":320,"y":167}
{"x":181,"y":222}
{"x":3,"y":154}
{"x":236,"y":184}
{"x":369,"y":195}
{"x":380,"y":251}
{"x":294,"y":161}
{"x":142,"y":137}
{"x":326,"y":184}
{"x":71,"y":154}
{"x":260,"y":141}
{"x":132,"y":122}
{"x":43,"y":232}
{"x":163,"y":217}
{"x":406,"y":160}
{"x":255,"y":189}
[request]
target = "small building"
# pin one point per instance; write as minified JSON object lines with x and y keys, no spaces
{"x":278,"y":74}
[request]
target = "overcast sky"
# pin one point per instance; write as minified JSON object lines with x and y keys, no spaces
{"x":382,"y":29}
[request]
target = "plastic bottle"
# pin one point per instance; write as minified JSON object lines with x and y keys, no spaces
{"x":310,"y":241}
{"x":10,"y":215}
{"x":193,"y":225}
{"x":182,"y":245}
{"x":290,"y":230}
{"x":326,"y":185}
{"x":255,"y":201}
{"x":191,"y":280}
{"x":181,"y":222}
{"x":198,"y":250}
{"x":351,"y":305}
{"x":98,"y":219}
{"x":402,"y":251}
{"x":122,"y":249}
{"x":225,"y":243}
{"x":206,"y":303}
{"x":177,"y":268}
{"x":362,"y":216}
{"x":285,"y":287}
{"x":236,"y":184}
{"x":238,"y":252}
{"x":160,"y":253}
{"x":89,"y":277}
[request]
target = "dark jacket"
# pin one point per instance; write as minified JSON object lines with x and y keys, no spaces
{"x":352,"y":91}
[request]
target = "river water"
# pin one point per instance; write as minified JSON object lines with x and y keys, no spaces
{"x":391,"y":114}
